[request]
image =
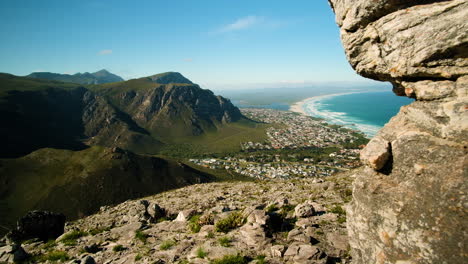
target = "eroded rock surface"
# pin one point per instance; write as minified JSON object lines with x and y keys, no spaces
{"x":409,"y":204}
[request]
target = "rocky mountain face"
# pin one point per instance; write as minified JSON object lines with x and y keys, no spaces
{"x":169,"y":109}
{"x":99,"y":77}
{"x":409,"y":204}
{"x":140,"y":115}
{"x":239,"y":222}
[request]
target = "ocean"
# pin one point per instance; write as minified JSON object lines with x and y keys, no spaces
{"x":364,"y":111}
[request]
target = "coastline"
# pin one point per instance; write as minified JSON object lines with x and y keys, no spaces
{"x":308,"y":107}
{"x":298,"y":107}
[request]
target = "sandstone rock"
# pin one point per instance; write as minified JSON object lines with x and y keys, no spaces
{"x":376,"y":153}
{"x":298,"y":235}
{"x":258,"y":217}
{"x":185,"y":215}
{"x":310,"y":254}
{"x":155,"y":211}
{"x":301,"y":253}
{"x":253,"y":235}
{"x":206,"y":230}
{"x":414,"y":212}
{"x":39,"y":224}
{"x":339,"y":244}
{"x":277,"y":251}
{"x":304,"y":210}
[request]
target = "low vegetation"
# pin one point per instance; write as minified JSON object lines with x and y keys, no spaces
{"x":55,"y":255}
{"x":201,"y":253}
{"x":231,"y":259}
{"x":234,"y":220}
{"x":225,"y":241}
{"x":118,"y":248}
{"x":70,"y":238}
{"x":167,"y":244}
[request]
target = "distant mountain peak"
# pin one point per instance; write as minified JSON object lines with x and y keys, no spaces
{"x":102,"y":76}
{"x":169,"y":77}
{"x":103,"y":71}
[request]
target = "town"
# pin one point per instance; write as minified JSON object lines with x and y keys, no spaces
{"x":297,"y":146}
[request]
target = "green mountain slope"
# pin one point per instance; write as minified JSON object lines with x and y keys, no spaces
{"x":142,"y":115}
{"x":77,"y":183}
{"x":38,"y":113}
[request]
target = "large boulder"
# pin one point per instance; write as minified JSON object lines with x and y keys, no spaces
{"x":409,"y":201}
{"x":39,"y":224}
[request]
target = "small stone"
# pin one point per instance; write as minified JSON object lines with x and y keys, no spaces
{"x":185,"y":215}
{"x":304,"y":210}
{"x":88,"y":260}
{"x":299,"y":236}
{"x":155,"y":211}
{"x":277,"y":251}
{"x":376,"y":153}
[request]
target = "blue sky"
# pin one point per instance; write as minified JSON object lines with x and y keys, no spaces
{"x":215,"y":43}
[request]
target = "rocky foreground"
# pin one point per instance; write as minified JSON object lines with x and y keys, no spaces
{"x":293,"y":221}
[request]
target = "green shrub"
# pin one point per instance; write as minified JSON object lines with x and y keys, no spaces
{"x":201,"y":253}
{"x":49,"y":244}
{"x":118,"y":248}
{"x":96,"y":231}
{"x":341,"y":219}
{"x":138,"y":257}
{"x":234,"y":220}
{"x":210,"y":235}
{"x":167,"y":244}
{"x":70,"y":238}
{"x":271,"y":208}
{"x":231,"y":259}
{"x":194,"y":223}
{"x":141,"y":236}
{"x":225,"y":241}
{"x":55,"y":255}
{"x":261,"y":259}
{"x":338,"y":210}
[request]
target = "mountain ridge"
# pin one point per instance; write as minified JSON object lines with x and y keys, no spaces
{"x":99,"y":77}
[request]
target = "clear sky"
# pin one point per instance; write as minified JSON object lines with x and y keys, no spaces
{"x":215,"y":43}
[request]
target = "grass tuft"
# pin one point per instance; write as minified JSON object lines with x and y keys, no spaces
{"x":201,"y":253}
{"x":167,"y":244}
{"x":231,"y":259}
{"x":141,"y":236}
{"x":234,"y":220}
{"x":118,"y":248}
{"x":70,"y":238}
{"x":56,"y":255}
{"x":225,"y":241}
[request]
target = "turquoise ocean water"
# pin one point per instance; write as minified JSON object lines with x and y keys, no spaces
{"x":366,"y":111}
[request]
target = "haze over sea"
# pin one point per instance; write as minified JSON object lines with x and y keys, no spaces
{"x":367,"y":112}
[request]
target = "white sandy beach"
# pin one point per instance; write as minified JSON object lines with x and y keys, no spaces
{"x":298,"y":107}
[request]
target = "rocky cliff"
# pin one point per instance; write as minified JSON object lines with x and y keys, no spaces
{"x":170,"y":106}
{"x":409,"y":204}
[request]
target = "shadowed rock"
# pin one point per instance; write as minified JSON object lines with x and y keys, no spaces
{"x":39,"y":224}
